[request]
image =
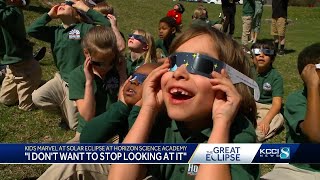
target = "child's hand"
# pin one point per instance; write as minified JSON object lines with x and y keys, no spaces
{"x":88,"y":70}
{"x":263,"y":126}
{"x":113,"y":20}
{"x":121,"y":91}
{"x":152,"y":95}
{"x":227,"y":99}
{"x":78,"y":4}
{"x":53,"y":12}
{"x":309,"y":76}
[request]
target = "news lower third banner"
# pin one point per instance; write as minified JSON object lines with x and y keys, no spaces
{"x":159,"y":153}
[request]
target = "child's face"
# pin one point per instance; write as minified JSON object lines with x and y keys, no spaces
{"x":262,"y":61}
{"x":132,"y":91}
{"x":136,"y":44}
{"x":189,"y":97}
{"x":175,"y":7}
{"x":164,"y":30}
{"x":65,"y":10}
{"x":102,"y":62}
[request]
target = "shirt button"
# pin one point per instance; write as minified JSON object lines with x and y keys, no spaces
{"x":182,"y":169}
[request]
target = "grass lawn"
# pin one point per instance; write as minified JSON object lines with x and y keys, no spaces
{"x":39,"y":126}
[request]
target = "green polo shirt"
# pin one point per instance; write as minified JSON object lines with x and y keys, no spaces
{"x":203,"y":22}
{"x":248,"y":7}
{"x":160,"y":44}
{"x":65,"y":43}
{"x":242,"y":131}
{"x":105,"y":90}
{"x":294,"y":113}
{"x":116,"y":120}
{"x":133,"y":65}
{"x":14,"y":46}
{"x":270,"y":84}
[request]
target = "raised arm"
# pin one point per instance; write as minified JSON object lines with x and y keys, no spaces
{"x":140,"y":131}
{"x":95,"y":16}
{"x":311,"y":124}
{"x":87,"y":105}
{"x":38,"y":28}
{"x":224,"y":110}
{"x":120,"y":41}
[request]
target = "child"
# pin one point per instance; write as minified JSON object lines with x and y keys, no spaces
{"x":197,"y":105}
{"x":256,"y":21}
{"x":67,"y":53}
{"x":94,"y":86}
{"x":23,"y":72}
{"x":108,"y":12}
{"x":142,"y":50}
{"x":115,"y":120}
{"x":200,"y":18}
{"x":176,"y":13}
{"x":229,"y":11}
{"x":279,"y":22}
{"x":270,"y":82}
{"x":167,"y":32}
{"x":247,"y":15}
{"x":302,"y":114}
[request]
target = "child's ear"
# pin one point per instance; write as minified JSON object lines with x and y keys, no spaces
{"x":86,"y":52}
{"x":145,"y":47}
{"x":174,"y":30}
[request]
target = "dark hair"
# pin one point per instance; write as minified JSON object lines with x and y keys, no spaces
{"x":180,"y":8}
{"x":171,"y":22}
{"x":265,"y":44}
{"x":230,"y":52}
{"x":309,"y":55}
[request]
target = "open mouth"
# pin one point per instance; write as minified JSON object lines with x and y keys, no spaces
{"x":180,"y":94}
{"x":130,"y":92}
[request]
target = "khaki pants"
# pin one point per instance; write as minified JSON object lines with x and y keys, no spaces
{"x":276,"y":123}
{"x":55,"y":95}
{"x":287,"y":171}
{"x":246,"y":29}
{"x":20,"y":81}
{"x":76,"y":172}
{"x":278,"y":27}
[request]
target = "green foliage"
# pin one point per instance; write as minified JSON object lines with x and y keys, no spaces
{"x":39,"y":126}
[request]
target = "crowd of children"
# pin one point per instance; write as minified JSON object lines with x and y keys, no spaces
{"x":108,"y":94}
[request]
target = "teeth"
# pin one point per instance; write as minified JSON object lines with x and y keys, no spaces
{"x":178,"y":90}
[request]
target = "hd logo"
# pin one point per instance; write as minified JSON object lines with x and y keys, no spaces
{"x":282,"y":153}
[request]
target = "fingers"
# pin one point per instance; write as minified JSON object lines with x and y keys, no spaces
{"x":159,"y":71}
{"x":222,"y":82}
{"x":110,"y":16}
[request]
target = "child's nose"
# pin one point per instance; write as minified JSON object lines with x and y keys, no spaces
{"x":181,"y":73}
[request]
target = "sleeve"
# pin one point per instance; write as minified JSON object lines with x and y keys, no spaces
{"x":133,"y":115}
{"x":277,"y":87}
{"x":7,"y":13}
{"x":106,"y":125}
{"x":77,"y":82}
{"x":294,"y":112}
{"x":98,"y":18}
{"x":39,"y":30}
{"x":242,"y":131}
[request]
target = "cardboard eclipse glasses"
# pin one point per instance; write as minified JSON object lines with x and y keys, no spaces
{"x":268,"y":52}
{"x":138,"y":78}
{"x":138,"y":37}
{"x":204,"y":65}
